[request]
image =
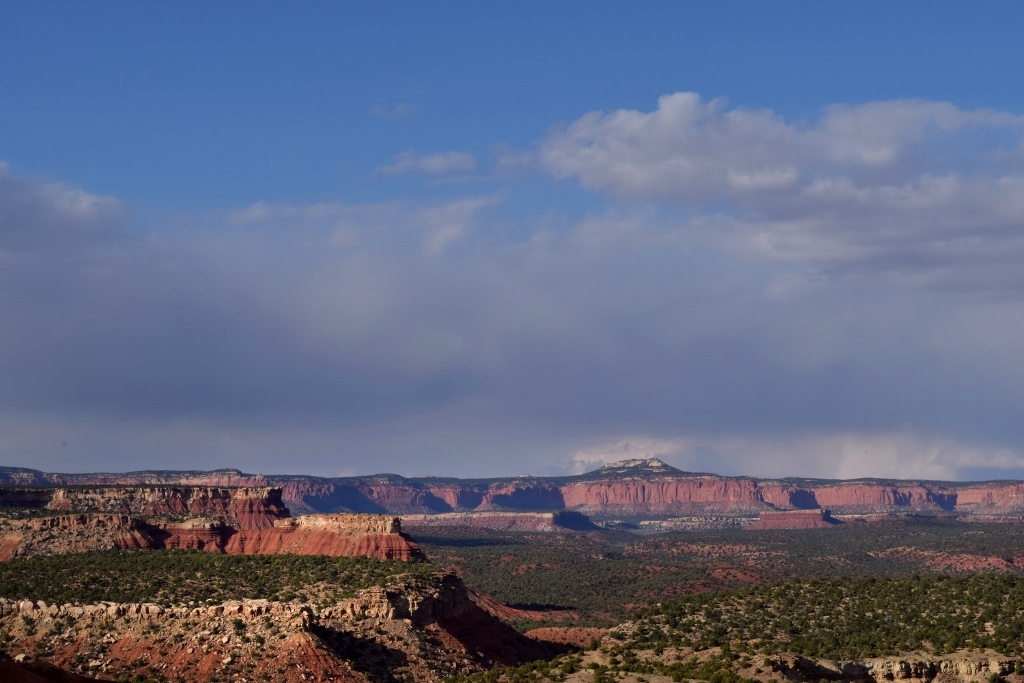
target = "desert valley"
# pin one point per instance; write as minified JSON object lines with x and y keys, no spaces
{"x":634,"y":571}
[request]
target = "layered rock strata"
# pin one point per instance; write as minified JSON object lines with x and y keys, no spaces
{"x":634,"y":488}
{"x":245,"y":507}
{"x":348,"y":535}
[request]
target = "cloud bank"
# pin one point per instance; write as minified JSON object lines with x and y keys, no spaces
{"x":913,"y":188}
{"x":836,"y":297}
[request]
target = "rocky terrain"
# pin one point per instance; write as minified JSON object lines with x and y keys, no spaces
{"x":673,"y":664}
{"x":411,"y":629}
{"x":128,"y":613}
{"x":632,"y":488}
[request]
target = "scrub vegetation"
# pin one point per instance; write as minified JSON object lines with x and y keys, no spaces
{"x":180,"y":577}
{"x":844,"y":618}
{"x":599,"y":579}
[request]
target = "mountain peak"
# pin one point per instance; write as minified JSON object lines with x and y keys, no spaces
{"x":637,"y":467}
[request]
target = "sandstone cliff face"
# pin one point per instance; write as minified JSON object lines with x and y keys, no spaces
{"x":632,"y":488}
{"x":1006,"y":497}
{"x":523,"y":494}
{"x":458,"y":497}
{"x":247,"y":508}
{"x":785,"y":497}
{"x":857,"y":497}
{"x":343,"y":535}
{"x":335,"y":535}
{"x":665,"y":496}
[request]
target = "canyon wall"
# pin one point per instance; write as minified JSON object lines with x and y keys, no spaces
{"x":636,"y":488}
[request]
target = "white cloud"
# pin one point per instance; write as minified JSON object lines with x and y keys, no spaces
{"x":691,"y":150}
{"x":879,"y":187}
{"x":434,"y":164}
{"x":452,"y":221}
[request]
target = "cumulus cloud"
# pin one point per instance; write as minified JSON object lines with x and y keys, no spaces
{"x":902,"y":186}
{"x":434,"y":164}
{"x":691,"y":150}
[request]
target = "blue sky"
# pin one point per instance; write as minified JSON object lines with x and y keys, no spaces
{"x":470,"y":239}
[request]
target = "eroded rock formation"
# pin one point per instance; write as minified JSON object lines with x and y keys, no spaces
{"x":958,"y":667}
{"x":412,"y":629}
{"x":633,"y":488}
{"x":347,"y":535}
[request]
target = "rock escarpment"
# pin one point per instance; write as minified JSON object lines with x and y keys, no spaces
{"x":346,"y":535}
{"x":342,"y":535}
{"x":634,"y":488}
{"x":246,"y":507}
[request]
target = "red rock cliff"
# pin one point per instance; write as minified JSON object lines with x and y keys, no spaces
{"x":247,"y":508}
{"x":665,"y":496}
{"x":346,"y":535}
{"x":628,"y":488}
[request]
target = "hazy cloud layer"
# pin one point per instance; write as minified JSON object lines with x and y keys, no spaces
{"x":434,"y":164}
{"x":840,"y":297}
